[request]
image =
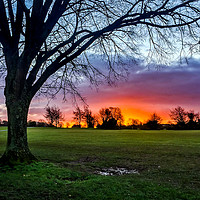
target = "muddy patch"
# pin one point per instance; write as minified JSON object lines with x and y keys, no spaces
{"x":115,"y":171}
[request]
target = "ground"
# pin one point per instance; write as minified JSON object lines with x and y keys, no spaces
{"x":167,"y":162}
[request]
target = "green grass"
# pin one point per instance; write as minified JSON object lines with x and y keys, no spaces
{"x":168,"y":163}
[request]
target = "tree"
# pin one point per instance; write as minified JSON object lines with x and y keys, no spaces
{"x":117,"y":115}
{"x":49,"y":115}
{"x":105,"y":114}
{"x":41,"y":123}
{"x":154,"y":122}
{"x":48,"y":40}
{"x":88,"y":117}
{"x":58,"y":116}
{"x":111,"y":117}
{"x":78,"y":114}
{"x":192,"y":119}
{"x":107,"y":120}
{"x":53,"y":115}
{"x":179,"y":116}
{"x":31,"y":123}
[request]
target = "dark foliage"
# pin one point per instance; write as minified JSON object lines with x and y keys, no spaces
{"x":111,"y":118}
{"x":184,"y":120}
{"x":88,"y":117}
{"x":78,"y":115}
{"x":31,"y":123}
{"x":154,"y":123}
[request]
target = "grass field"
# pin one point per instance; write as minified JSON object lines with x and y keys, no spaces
{"x":168,"y":165}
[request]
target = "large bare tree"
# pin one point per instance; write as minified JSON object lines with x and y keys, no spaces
{"x":41,"y":38}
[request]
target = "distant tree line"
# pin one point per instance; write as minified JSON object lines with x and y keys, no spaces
{"x":181,"y":120}
{"x":54,"y":118}
{"x":30,"y":123}
{"x":112,"y":118}
{"x":184,"y":119}
{"x":3,"y":122}
{"x":84,"y":115}
{"x":40,"y":123}
{"x":107,"y":118}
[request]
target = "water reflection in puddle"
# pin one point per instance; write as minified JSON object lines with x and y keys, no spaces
{"x":115,"y":171}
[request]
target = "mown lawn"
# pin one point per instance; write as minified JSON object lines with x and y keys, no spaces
{"x":168,"y":163}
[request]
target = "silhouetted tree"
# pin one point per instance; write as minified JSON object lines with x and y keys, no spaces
{"x":31,"y":123}
{"x":42,"y":40}
{"x":111,"y":117}
{"x":53,"y":115}
{"x":105,"y":114}
{"x":192,"y":119}
{"x":117,"y":115}
{"x":42,"y":123}
{"x":179,"y":116}
{"x":88,"y":117}
{"x":154,"y":122}
{"x":78,"y":115}
{"x":5,"y":123}
{"x":49,"y":115}
{"x":106,"y":118}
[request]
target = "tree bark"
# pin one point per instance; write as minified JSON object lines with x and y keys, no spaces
{"x":17,"y":150}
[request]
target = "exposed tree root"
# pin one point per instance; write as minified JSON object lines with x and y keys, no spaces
{"x":12,"y":158}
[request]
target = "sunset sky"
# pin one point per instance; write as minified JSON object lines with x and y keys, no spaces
{"x":146,"y":90}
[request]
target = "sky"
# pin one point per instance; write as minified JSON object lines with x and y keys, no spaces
{"x":146,"y":90}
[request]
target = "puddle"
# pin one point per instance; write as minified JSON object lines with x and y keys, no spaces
{"x":116,"y":171}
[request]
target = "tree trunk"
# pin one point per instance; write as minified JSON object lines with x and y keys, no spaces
{"x":17,"y":150}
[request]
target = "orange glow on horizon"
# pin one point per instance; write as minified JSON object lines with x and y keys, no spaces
{"x":136,"y":108}
{"x":142,"y":115}
{"x":69,"y":124}
{"x":128,"y":113}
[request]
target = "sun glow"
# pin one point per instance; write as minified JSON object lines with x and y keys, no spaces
{"x":128,"y":114}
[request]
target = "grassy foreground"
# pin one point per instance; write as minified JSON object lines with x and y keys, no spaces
{"x":168,"y":163}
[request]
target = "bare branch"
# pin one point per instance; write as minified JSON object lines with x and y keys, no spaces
{"x":59,"y":32}
{"x":4,"y":27}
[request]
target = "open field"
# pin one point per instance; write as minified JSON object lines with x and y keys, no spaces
{"x":168,"y":165}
